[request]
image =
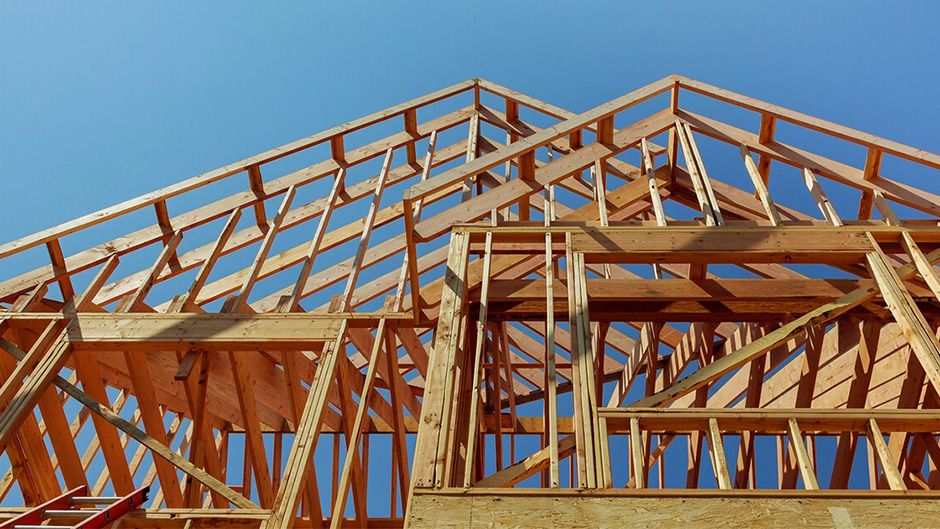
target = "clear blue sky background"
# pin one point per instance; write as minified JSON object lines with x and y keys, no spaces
{"x":103,"y":101}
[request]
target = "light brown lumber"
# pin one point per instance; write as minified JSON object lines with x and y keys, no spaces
{"x":244,"y":389}
{"x":650,"y":173}
{"x":438,"y":389}
{"x":305,"y":440}
{"x":925,"y":269}
{"x":802,"y":457}
{"x":716,"y":449}
{"x":206,"y":178}
{"x":551,"y":377}
{"x":476,"y":366}
{"x":813,"y":123}
{"x":893,"y":190}
{"x":888,"y":463}
{"x":923,"y":341}
{"x":48,"y":339}
{"x":202,"y":446}
{"x":637,"y":463}
{"x":399,"y":440}
{"x":142,"y":383}
{"x":529,"y":466}
{"x":192,"y":293}
{"x":540,"y":139}
{"x":351,"y":281}
{"x":411,"y":215}
{"x":772,"y":420}
{"x":223,"y":207}
{"x":273,"y":226}
{"x":770,"y":340}
{"x":510,"y":192}
{"x":314,"y":248}
{"x":352,"y":445}
{"x":703,"y":175}
{"x":140,"y":436}
{"x":720,"y":245}
{"x":30,"y":462}
{"x":757,"y":178}
{"x":179,"y":331}
{"x":44,"y":360}
{"x":706,"y":207}
{"x":60,"y":270}
{"x":872,"y":167}
{"x":820,"y":197}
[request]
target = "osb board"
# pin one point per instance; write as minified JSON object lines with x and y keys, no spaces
{"x":493,"y":511}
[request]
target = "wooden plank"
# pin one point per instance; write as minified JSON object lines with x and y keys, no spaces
{"x":637,"y":461}
{"x":810,"y":122}
{"x":716,"y":449}
{"x":264,"y":248}
{"x":908,"y":195}
{"x":223,"y":207}
{"x":870,"y":172}
{"x":433,"y":414}
{"x":802,"y":457}
{"x":476,"y":366}
{"x":161,"y":331}
{"x":726,"y":245}
{"x":314,"y":248}
{"x":411,"y":215}
{"x":652,"y":290}
{"x":533,"y":142}
{"x":551,"y":377}
{"x":910,"y":246}
{"x":137,"y":434}
{"x":223,"y":172}
{"x":529,"y":466}
{"x":650,"y":173}
{"x":705,"y":509}
{"x":256,"y":185}
{"x":255,"y":448}
{"x":770,"y":340}
{"x":770,"y":420}
{"x":703,"y":174}
{"x":192,"y":293}
{"x":704,"y":201}
{"x":473,"y":136}
{"x":757,"y":178}
{"x":820,"y":197}
{"x":352,"y":446}
{"x":888,"y":463}
{"x":923,"y":342}
{"x":305,"y":440}
{"x":768,"y":126}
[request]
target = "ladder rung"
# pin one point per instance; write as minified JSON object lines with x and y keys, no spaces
{"x":94,"y":500}
{"x":73,"y":513}
{"x":42,"y":527}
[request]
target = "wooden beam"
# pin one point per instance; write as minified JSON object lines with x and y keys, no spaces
{"x":180,"y":331}
{"x":888,"y":463}
{"x":716,"y":449}
{"x":923,"y":342}
{"x":760,"y":185}
{"x":802,"y":457}
{"x":140,"y":436}
{"x":529,"y":466}
{"x":770,"y":340}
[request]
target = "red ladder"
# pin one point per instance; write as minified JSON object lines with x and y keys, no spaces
{"x":69,"y":507}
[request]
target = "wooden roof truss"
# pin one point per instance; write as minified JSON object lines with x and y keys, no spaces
{"x":493,"y":292}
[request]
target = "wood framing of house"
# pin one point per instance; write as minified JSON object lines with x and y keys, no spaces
{"x":476,"y":309}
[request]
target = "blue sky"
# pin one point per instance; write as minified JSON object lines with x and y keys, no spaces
{"x":103,"y":101}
